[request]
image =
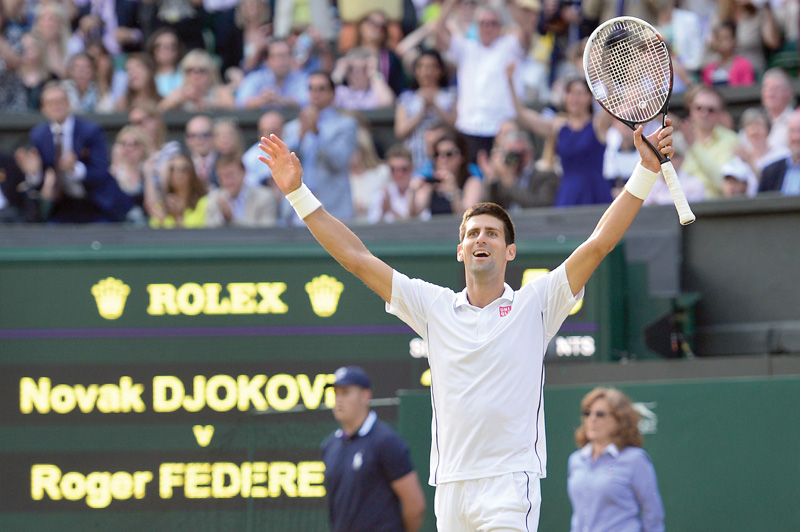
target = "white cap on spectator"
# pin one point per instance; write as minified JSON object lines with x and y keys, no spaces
{"x":533,"y":5}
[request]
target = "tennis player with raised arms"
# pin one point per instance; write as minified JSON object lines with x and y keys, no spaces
{"x":486,"y":344}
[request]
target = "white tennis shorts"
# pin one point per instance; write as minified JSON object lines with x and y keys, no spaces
{"x":504,"y":503}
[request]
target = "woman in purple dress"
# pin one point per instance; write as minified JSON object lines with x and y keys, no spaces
{"x":579,"y":136}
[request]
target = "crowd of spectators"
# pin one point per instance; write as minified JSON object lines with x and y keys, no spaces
{"x":489,"y":103}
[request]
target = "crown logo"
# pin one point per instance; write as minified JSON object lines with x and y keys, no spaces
{"x":110,"y":295}
{"x":324,"y":292}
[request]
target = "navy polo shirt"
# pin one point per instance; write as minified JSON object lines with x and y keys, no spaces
{"x":358,"y":472}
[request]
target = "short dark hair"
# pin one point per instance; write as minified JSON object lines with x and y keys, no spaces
{"x":323,"y":74}
{"x":229,"y":159}
{"x":430,"y":52}
{"x":492,"y":209}
{"x":398,"y":150}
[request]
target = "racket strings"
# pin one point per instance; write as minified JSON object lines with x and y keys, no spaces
{"x":629,"y":71}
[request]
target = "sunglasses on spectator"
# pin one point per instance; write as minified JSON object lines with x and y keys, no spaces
{"x":130,"y":143}
{"x":707,"y":109}
{"x":377,"y":23}
{"x":447,"y":154}
{"x":201,"y":135}
{"x":320,"y":88}
{"x":158,"y":45}
{"x":197,"y":70}
{"x":599,"y":414}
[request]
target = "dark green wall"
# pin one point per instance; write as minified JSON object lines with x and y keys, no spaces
{"x":725,"y":451}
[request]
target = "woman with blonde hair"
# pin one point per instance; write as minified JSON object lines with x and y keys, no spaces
{"x":612,"y":482}
{"x":51,"y":25}
{"x":368,"y":174}
{"x":202,"y":88}
{"x":129,"y":154}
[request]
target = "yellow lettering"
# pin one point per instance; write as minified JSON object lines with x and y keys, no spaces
{"x":250,"y":392}
{"x":215,"y":305}
{"x":270,"y":298}
{"x":44,"y":478}
{"x":282,"y":476}
{"x":62,"y":399}
{"x":191,"y":298}
{"x":130,"y":395}
{"x":162,"y":300}
{"x":259,"y":477}
{"x":213,"y":399}
{"x":169,"y":476}
{"x":140,"y":480}
{"x":220,"y":473}
{"x":312,"y":397}
{"x":97,"y":489}
{"x":292,"y":392}
{"x":311,"y":479}
{"x":32,"y":395}
{"x":73,"y":486}
{"x":109,"y":399}
{"x":168,"y":393}
{"x":198,"y":481}
{"x":196,"y":402}
{"x":86,"y":397}
{"x":242,"y":298}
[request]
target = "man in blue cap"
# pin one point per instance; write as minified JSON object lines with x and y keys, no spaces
{"x":369,"y":479}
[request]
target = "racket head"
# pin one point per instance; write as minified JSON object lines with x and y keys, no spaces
{"x":629,"y":69}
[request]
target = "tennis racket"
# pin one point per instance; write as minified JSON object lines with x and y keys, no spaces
{"x":629,"y":71}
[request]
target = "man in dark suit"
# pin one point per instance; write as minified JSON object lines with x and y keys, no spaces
{"x":67,"y":166}
{"x":784,"y":175}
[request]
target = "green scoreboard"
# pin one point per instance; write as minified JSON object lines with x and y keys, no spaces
{"x":184,"y":388}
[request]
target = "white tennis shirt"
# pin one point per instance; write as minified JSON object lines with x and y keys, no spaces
{"x":487,"y":372}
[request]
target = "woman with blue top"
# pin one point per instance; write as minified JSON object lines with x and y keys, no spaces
{"x":612,"y":482}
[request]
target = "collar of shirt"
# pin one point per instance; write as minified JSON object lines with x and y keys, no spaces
{"x":67,"y":129}
{"x":610,"y":449}
{"x":372,"y":417}
{"x":461,"y":297}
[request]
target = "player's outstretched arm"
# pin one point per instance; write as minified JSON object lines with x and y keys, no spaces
{"x":620,"y":214}
{"x":342,"y":244}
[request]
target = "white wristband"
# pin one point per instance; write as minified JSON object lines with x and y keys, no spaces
{"x":641,"y":181}
{"x":303,"y":201}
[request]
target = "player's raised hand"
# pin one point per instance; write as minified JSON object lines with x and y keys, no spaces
{"x":661,"y":139}
{"x":287,"y":172}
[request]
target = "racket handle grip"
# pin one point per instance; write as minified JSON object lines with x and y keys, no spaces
{"x":671,"y":177}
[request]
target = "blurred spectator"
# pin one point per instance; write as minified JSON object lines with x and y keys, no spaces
{"x":32,"y":70}
{"x":391,"y":203}
{"x":185,"y":17}
{"x":360,"y":87}
{"x":611,"y":480}
{"x":256,"y":172}
{"x":324,"y":140}
{"x":167,"y":51}
{"x":778,"y":100}
{"x":68,"y":165}
{"x":185,"y":200}
{"x":202,"y":89}
{"x":129,"y":154}
{"x":511,"y":177}
{"x":276,"y":84}
{"x":368,"y":174}
{"x":453,"y":188}
{"x":711,"y":144}
{"x":97,"y":21}
{"x":738,"y":180}
{"x":753,"y":148}
{"x":373,"y":35}
{"x":693,"y":188}
{"x":784,"y":175}
{"x":228,"y":138}
{"x":483,"y":102}
{"x":136,"y":22}
{"x":683,"y":31}
{"x":620,"y":157}
{"x":80,"y":84}
{"x":10,"y":35}
{"x":430,"y":100}
{"x":227,"y":37}
{"x":787,"y":14}
{"x":352,"y":13}
{"x":111,"y":83}
{"x":728,"y":68}
{"x":533,"y":70}
{"x":51,"y":25}
{"x":252,"y":18}
{"x":15,"y":206}
{"x":310,"y":52}
{"x":147,"y":116}
{"x":756,"y":28}
{"x":199,"y":137}
{"x":602,"y":10}
{"x":312,"y":18}
{"x":13,"y":97}
{"x":141,"y":82}
{"x":580,"y":142}
{"x":235,"y":203}
{"x":567,"y":71}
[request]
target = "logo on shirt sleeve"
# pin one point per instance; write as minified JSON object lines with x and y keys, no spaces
{"x":505,"y":311}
